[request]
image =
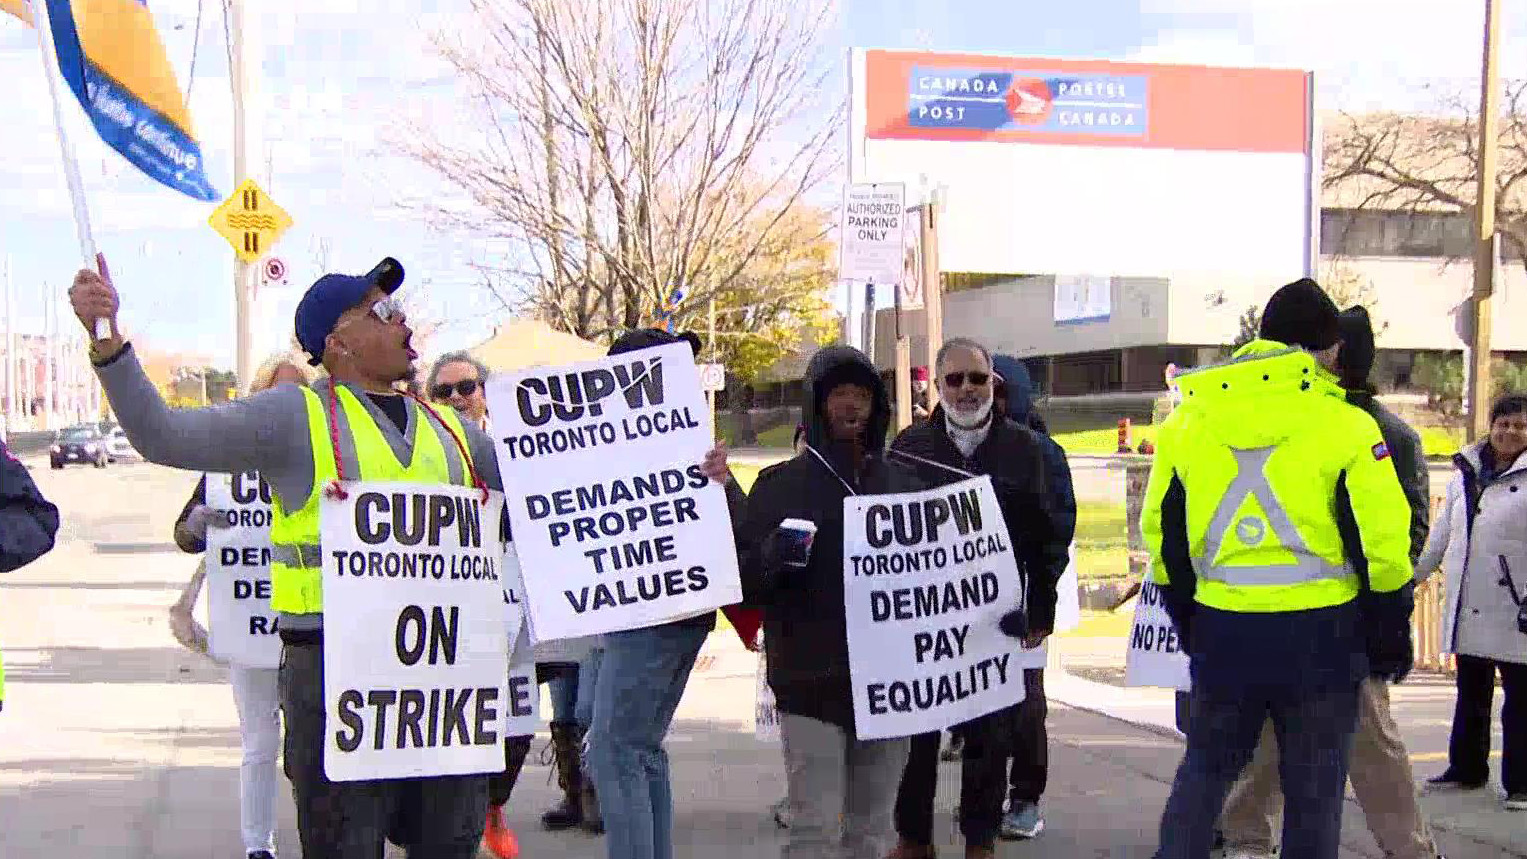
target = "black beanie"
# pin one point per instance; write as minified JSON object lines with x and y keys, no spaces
{"x":1301,"y":314}
{"x":1355,"y":358}
{"x":646,"y":338}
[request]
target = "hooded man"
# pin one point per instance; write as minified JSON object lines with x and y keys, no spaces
{"x":1380,"y":767}
{"x":840,"y":789}
{"x":967,"y":434}
{"x":1030,"y":767}
{"x":1279,"y":536}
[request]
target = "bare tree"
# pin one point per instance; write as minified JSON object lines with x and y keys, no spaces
{"x":1430,"y":163}
{"x":628,"y":147}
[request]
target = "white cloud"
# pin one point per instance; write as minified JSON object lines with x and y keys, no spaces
{"x":1365,"y":53}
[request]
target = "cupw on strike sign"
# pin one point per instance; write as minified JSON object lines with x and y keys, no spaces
{"x":242,"y":625}
{"x":416,"y":652}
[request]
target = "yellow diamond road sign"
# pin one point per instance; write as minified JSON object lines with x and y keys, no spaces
{"x":250,"y":221}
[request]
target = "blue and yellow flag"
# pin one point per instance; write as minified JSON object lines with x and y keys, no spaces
{"x":110,"y":54}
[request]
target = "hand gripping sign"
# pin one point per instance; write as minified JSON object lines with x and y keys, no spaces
{"x":615,"y":524}
{"x":416,"y":651}
{"x":243,"y":626}
{"x":927,"y":576}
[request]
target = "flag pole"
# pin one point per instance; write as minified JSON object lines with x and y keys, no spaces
{"x":44,"y":27}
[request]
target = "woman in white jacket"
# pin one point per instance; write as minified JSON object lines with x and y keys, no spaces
{"x":1480,"y":540}
{"x":254,"y":689}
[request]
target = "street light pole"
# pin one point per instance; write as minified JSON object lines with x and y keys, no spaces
{"x":1485,"y":238}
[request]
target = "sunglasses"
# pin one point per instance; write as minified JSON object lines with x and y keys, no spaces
{"x":465,"y":387}
{"x":387,"y":310}
{"x":957,"y":380}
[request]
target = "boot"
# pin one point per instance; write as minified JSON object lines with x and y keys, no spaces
{"x":973,"y":852}
{"x":593,"y":821}
{"x":567,"y":754}
{"x":907,"y":850}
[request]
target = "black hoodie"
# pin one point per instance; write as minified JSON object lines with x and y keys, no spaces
{"x":805,"y":634}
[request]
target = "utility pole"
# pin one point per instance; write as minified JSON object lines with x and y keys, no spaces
{"x":933,"y":289}
{"x":710,"y":396}
{"x":243,"y":80}
{"x":1485,"y":238}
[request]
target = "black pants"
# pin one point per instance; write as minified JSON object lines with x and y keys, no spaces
{"x":1030,"y":770}
{"x":350,"y":820}
{"x":501,"y":785}
{"x":1017,"y":732}
{"x":1469,"y":746}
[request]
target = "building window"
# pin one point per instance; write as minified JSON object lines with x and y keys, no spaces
{"x":1378,"y":233}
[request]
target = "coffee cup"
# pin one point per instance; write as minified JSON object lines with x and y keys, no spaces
{"x":795,"y":537}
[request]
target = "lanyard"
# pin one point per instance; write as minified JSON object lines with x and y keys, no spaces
{"x":827,"y":465}
{"x":949,"y":468}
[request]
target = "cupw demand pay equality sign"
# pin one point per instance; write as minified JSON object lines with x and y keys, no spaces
{"x":242,"y":626}
{"x":415,"y":651}
{"x":615,"y":525}
{"x":927,"y":578}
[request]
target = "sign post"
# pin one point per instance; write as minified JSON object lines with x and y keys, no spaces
{"x":872,"y":243}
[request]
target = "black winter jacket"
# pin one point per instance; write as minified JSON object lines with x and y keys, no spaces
{"x":1013,"y":457}
{"x":28,"y":521}
{"x":805,"y":634}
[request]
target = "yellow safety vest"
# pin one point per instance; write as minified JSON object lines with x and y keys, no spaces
{"x":1257,"y":449}
{"x":296,"y":577}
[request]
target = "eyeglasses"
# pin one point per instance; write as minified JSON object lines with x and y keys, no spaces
{"x":465,"y":387}
{"x":957,"y":380}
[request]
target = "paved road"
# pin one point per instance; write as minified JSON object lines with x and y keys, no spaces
{"x":115,"y":742}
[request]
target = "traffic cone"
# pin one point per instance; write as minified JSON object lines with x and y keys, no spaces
{"x":498,"y":837}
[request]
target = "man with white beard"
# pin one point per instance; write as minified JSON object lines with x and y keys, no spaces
{"x":963,"y":438}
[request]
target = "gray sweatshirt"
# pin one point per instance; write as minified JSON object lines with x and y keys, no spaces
{"x":265,"y":432}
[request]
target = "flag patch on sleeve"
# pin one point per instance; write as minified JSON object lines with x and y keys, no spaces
{"x":1380,"y":451}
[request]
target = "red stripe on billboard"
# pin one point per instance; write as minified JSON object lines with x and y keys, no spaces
{"x":963,"y":97}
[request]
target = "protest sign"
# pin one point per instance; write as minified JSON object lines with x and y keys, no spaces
{"x":927,"y":577}
{"x":241,"y":625}
{"x":522,"y":697}
{"x":415,"y":654}
{"x":616,"y":526}
{"x":1068,"y":606}
{"x":1155,"y":656}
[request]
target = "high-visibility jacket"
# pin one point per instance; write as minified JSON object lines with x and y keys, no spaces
{"x":296,"y":578}
{"x":1267,"y":484}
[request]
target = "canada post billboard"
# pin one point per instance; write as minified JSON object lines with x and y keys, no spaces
{"x":1095,"y":168}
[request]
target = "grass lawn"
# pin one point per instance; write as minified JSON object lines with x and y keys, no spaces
{"x":778,"y":437}
{"x":1101,"y":541}
{"x":1103,"y":624}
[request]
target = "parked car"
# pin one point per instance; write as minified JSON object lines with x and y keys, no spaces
{"x":119,"y":449}
{"x":79,"y":445}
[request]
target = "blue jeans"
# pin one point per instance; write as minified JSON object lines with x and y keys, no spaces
{"x":637,"y":691}
{"x":564,"y":696}
{"x":588,"y":674}
{"x":1314,"y":731}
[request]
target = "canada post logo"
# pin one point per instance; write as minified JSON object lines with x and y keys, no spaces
{"x":1037,"y":101}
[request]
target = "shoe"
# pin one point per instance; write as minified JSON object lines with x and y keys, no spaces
{"x":498,"y":838}
{"x":980,"y":853}
{"x":908,"y":850}
{"x":567,"y":755}
{"x":1249,"y":854}
{"x":261,"y":854}
{"x":1448,"y":781}
{"x":781,"y":811}
{"x":1023,"y":822}
{"x":953,"y":750}
{"x":1516,"y":802}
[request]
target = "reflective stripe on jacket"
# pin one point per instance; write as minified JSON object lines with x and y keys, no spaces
{"x":296,"y":563}
{"x":1254,"y":475}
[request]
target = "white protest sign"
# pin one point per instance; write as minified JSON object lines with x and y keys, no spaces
{"x":871,"y":245}
{"x":927,"y":577}
{"x":415,"y":650}
{"x":241,"y":625}
{"x":522,"y":696}
{"x":615,"y":524}
{"x":1155,"y":656}
{"x":1068,"y":604}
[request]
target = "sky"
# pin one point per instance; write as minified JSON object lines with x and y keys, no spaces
{"x":339,"y":78}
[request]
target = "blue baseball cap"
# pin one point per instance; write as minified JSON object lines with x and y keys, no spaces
{"x":333,"y":294}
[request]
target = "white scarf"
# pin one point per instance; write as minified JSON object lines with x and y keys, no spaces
{"x":967,"y":440}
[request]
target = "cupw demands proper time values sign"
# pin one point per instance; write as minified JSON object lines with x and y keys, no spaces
{"x":615,"y":524}
{"x":416,"y":649}
{"x":927,"y":577}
